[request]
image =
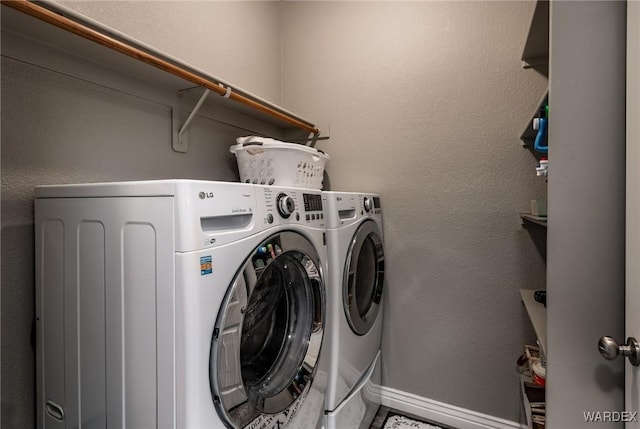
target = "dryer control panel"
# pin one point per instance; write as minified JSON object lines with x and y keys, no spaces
{"x":347,"y":208}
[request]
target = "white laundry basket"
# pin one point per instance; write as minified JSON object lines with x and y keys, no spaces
{"x":267,"y":161}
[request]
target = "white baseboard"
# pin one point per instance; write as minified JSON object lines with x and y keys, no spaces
{"x":440,"y":412}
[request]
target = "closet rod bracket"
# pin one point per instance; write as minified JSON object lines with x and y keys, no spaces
{"x":180,"y":133}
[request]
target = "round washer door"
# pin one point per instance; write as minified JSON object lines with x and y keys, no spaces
{"x":363,"y":278}
{"x":268,"y":334}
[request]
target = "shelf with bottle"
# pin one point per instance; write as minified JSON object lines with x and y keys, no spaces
{"x":535,"y":138}
{"x":531,"y":131}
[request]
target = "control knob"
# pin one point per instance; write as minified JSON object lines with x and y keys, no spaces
{"x":286,"y":205}
{"x":367,"y":204}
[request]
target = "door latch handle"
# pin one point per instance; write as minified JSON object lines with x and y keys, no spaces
{"x":609,"y":349}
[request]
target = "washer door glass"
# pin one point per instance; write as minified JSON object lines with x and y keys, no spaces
{"x":364,"y":278}
{"x":269,"y":331}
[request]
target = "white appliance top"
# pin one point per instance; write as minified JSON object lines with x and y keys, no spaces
{"x":209,"y":213}
{"x":140,"y":188}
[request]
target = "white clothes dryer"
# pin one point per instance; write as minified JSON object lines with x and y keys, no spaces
{"x":354,"y":307}
{"x":180,"y":304}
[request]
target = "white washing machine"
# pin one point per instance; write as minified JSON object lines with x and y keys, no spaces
{"x":354,"y":307}
{"x":179,"y":304}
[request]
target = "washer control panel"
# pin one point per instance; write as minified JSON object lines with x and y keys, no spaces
{"x":291,"y":206}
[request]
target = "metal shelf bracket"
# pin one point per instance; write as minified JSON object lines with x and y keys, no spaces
{"x":180,"y":134}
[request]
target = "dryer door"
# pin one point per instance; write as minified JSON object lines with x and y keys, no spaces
{"x":363,"y":278}
{"x":268,"y":334}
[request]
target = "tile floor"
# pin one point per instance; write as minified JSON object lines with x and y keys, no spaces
{"x":381,"y":416}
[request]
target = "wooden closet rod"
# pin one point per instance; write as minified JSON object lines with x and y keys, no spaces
{"x":81,"y":30}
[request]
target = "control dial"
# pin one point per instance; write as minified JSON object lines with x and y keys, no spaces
{"x":286,"y":205}
{"x":368,"y":204}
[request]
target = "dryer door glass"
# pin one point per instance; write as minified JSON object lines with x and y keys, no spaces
{"x":268,"y":335}
{"x":364,"y":278}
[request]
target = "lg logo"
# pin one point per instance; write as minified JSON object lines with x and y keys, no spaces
{"x":204,"y":195}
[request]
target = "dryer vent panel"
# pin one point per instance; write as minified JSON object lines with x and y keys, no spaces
{"x":104,"y":309}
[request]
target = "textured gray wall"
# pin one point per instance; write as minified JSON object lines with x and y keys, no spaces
{"x":59,"y":129}
{"x":425,"y":102}
{"x":238,"y":41}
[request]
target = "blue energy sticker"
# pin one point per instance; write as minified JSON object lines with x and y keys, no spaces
{"x":206,"y":266}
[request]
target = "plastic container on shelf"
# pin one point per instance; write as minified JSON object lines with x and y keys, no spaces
{"x":543,"y":168}
{"x":268,"y":161}
{"x":539,"y":373}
